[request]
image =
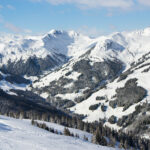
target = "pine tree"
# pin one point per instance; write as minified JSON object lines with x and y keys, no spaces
{"x":98,"y":138}
{"x":67,"y":132}
{"x":32,"y":122}
{"x":85,"y":138}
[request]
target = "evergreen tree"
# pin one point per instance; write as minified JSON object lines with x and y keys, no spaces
{"x":98,"y":138}
{"x":85,"y":138}
{"x":67,"y":132}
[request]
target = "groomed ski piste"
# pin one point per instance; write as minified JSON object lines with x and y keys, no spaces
{"x":17,"y":134}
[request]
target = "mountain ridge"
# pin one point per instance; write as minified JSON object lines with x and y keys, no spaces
{"x":93,"y":77}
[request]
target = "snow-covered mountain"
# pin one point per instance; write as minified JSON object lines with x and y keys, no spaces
{"x":104,"y":78}
{"x":39,"y":53}
{"x":30,"y":55}
{"x":108,"y":81}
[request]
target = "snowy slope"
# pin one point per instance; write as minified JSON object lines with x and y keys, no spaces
{"x":93,"y":64}
{"x":16,"y":47}
{"x":126,"y":46}
{"x":131,"y":44}
{"x":7,"y":85}
{"x":109,"y":91}
{"x":31,"y":55}
{"x":20,"y":134}
{"x":131,"y":49}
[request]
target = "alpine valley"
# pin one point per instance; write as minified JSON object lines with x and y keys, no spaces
{"x":94,"y":82}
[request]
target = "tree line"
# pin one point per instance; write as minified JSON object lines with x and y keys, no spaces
{"x":102,"y":135}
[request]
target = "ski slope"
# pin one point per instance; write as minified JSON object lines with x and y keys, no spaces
{"x":18,"y":134}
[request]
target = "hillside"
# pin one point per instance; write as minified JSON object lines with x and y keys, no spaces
{"x":18,"y":134}
{"x":102,"y":79}
{"x":108,"y":82}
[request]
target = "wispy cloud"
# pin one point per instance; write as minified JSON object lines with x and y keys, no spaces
{"x":11,"y":27}
{"x":113,"y":27}
{"x":123,"y":4}
{"x":27,"y":31}
{"x":144,"y":2}
{"x":10,"y":7}
{"x":1,"y":6}
{"x":90,"y":31}
{"x":109,"y":4}
{"x":1,"y":19}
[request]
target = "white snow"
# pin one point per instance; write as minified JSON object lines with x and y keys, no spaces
{"x":18,"y":134}
{"x":60,"y":128}
{"x":44,"y":95}
{"x":7,"y":86}
{"x":109,"y":92}
{"x":126,"y":46}
{"x":16,"y":47}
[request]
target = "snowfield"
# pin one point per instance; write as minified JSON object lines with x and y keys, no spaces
{"x":16,"y":134}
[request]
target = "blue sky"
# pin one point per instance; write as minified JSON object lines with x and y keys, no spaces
{"x":92,"y":17}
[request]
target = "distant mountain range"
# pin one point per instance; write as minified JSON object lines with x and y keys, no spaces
{"x":104,"y":78}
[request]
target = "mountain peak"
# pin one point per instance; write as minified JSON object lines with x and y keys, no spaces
{"x":71,"y":33}
{"x":56,"y":32}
